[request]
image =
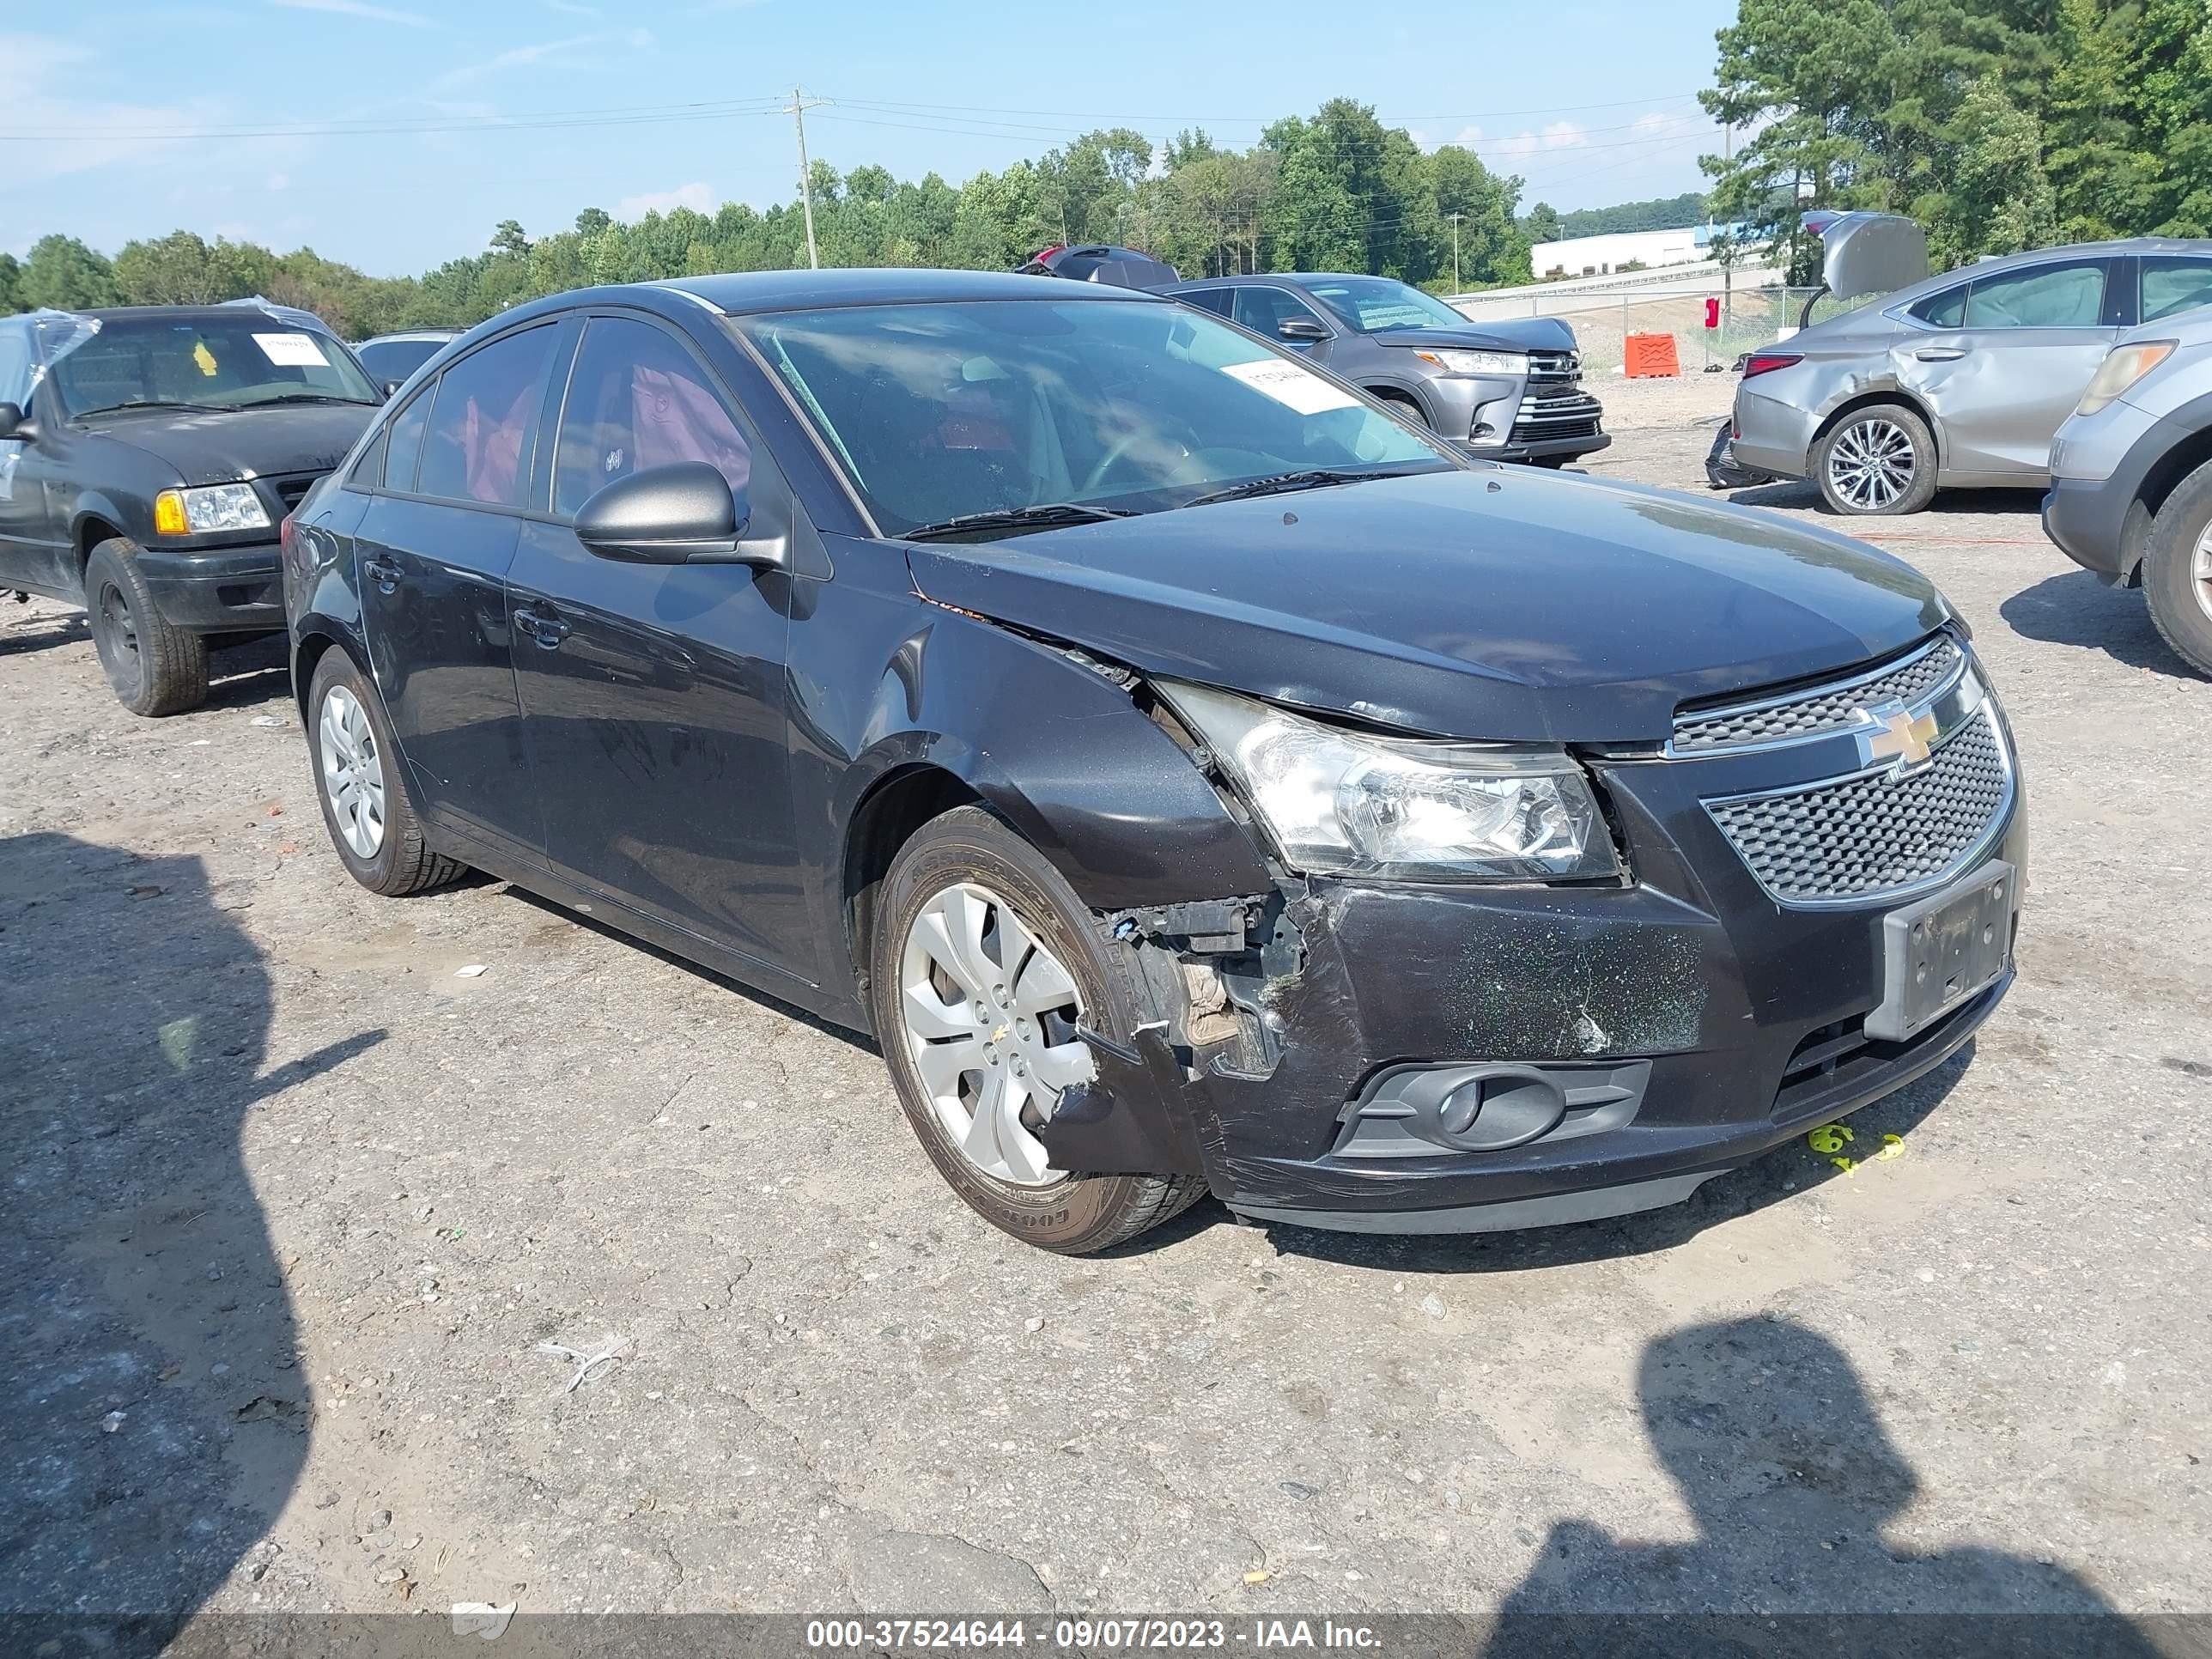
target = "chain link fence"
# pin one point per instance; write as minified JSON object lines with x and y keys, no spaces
{"x":1751,"y":317}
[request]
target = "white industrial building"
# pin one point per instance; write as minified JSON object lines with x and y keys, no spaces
{"x":1602,"y":256}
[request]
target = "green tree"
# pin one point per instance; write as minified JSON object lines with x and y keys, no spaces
{"x":63,"y":273}
{"x":2000,"y":200}
{"x":11,"y":272}
{"x":1542,"y":224}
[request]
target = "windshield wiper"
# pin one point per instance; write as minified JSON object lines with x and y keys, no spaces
{"x":1041,"y":517}
{"x":1315,"y":477}
{"x":307,"y":398}
{"x":149,"y":403}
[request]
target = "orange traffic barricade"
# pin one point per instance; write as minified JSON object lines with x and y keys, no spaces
{"x":1652,"y":354}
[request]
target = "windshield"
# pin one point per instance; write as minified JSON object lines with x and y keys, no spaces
{"x":206,"y":362}
{"x":1375,"y":305}
{"x":938,"y":412}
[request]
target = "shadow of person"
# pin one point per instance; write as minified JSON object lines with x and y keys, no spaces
{"x":2077,"y":609}
{"x":1789,"y":1480}
{"x":157,"y":1409}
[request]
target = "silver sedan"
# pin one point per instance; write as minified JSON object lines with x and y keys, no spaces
{"x":1958,"y":381}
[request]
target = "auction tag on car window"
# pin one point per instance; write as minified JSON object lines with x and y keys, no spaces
{"x":1286,"y":383}
{"x":291,"y":350}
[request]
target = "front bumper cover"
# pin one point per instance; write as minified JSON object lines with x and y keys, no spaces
{"x":1749,"y":1019}
{"x":232,"y":590}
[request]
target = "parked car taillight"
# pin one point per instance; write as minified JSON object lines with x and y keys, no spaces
{"x":284,"y":533}
{"x":1761,"y":362}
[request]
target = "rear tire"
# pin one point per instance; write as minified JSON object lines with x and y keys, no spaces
{"x":969,"y":856}
{"x":1406,"y":406}
{"x":2177,"y":570}
{"x":1877,"y":462}
{"x":154,"y":667}
{"x":351,"y":747}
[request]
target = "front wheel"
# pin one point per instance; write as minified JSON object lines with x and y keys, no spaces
{"x":154,"y":667}
{"x":1876,"y":461}
{"x":983,"y":962}
{"x":2177,"y":574}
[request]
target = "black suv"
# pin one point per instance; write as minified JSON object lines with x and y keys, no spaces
{"x":148,"y":457}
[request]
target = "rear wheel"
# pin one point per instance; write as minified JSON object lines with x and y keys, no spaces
{"x":2177,"y":576}
{"x":1876,"y":461}
{"x":1406,"y":406}
{"x":363,"y":787}
{"x":154,"y":667}
{"x":983,"y":960}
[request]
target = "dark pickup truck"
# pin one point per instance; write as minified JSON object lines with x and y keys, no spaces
{"x":148,"y":457}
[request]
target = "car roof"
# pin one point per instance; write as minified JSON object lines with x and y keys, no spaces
{"x":795,"y":290}
{"x":2036,"y":256}
{"x":412,"y":334}
{"x":182,"y":313}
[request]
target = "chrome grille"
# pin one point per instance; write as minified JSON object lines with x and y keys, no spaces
{"x":1574,"y":415}
{"x":1550,"y":366}
{"x":1878,"y":834}
{"x":1838,"y":705}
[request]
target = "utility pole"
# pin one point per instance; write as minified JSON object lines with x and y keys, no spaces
{"x":1455,"y":219}
{"x":799,"y":105}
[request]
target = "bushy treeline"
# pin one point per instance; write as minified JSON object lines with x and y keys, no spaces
{"x":1336,"y":190}
{"x":2000,"y":125}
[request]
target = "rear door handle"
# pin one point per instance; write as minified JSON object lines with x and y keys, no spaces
{"x":1939,"y":354}
{"x":548,"y":631}
{"x":385,"y":576}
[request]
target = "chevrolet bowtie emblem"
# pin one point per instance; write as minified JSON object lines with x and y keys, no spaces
{"x":1903,"y":738}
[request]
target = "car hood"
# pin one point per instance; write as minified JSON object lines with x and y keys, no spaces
{"x":1508,"y":334}
{"x":242,"y":443}
{"x":1493,"y":603}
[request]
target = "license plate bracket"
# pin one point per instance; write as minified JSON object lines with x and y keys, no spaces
{"x":1944,"y":950}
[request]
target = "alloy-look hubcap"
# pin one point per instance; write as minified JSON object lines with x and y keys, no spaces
{"x":2200,"y":569}
{"x":989,"y":1015}
{"x":1871,"y":462}
{"x":353,"y":772}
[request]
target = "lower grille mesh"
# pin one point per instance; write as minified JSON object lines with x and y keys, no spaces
{"x":1867,"y":837}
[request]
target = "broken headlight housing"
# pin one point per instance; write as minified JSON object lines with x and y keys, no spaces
{"x":1339,"y":802}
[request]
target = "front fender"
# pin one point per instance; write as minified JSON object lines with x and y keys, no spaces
{"x":126,"y":515}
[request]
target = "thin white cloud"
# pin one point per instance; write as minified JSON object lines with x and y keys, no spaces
{"x":700,"y":197}
{"x":1557,"y":135}
{"x":361,"y":9}
{"x":512,"y":57}
{"x":33,"y":68}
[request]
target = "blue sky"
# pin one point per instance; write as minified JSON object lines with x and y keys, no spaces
{"x":219,"y":118}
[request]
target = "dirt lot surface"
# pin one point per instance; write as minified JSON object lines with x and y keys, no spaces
{"x":292,"y":1205}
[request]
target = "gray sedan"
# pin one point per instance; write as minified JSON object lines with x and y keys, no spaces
{"x":1508,"y":391}
{"x":1960,"y":379}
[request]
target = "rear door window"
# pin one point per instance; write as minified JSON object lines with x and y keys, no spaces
{"x":403,"y":442}
{"x":1944,"y":308}
{"x":477,"y":447}
{"x":2071,"y":295}
{"x":2172,"y":284}
{"x":1215,"y":300}
{"x":639,"y":399}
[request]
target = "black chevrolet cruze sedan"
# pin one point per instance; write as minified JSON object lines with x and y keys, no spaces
{"x":1193,"y":777}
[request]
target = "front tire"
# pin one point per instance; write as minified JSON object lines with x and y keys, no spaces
{"x":362,"y":785}
{"x":154,"y":667}
{"x":2177,"y":572}
{"x":982,"y":960}
{"x":1877,"y":462}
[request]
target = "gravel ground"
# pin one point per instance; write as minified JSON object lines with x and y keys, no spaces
{"x":292,"y":1205}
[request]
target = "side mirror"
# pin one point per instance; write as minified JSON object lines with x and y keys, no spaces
{"x":15,"y":427}
{"x":1301,"y":328}
{"x":391,"y":389}
{"x":682,"y":514}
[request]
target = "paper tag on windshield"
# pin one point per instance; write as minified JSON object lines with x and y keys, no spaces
{"x":291,"y":350}
{"x":1286,"y":383}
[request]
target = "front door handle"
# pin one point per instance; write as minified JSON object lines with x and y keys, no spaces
{"x":384,"y":575}
{"x":548,"y":631}
{"x":1939,"y":354}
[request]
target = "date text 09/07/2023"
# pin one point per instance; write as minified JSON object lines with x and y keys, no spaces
{"x":1085,"y":1635}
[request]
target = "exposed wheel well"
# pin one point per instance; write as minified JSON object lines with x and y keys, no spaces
{"x":1868,"y":400}
{"x":90,"y":533}
{"x":2184,"y":459}
{"x":886,"y":818}
{"x":1396,"y":395}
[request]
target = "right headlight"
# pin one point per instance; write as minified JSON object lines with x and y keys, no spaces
{"x":1349,"y":803}
{"x":1456,"y":362}
{"x":2122,"y":367}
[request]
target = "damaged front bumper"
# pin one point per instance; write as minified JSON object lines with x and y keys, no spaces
{"x":1434,"y":1060}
